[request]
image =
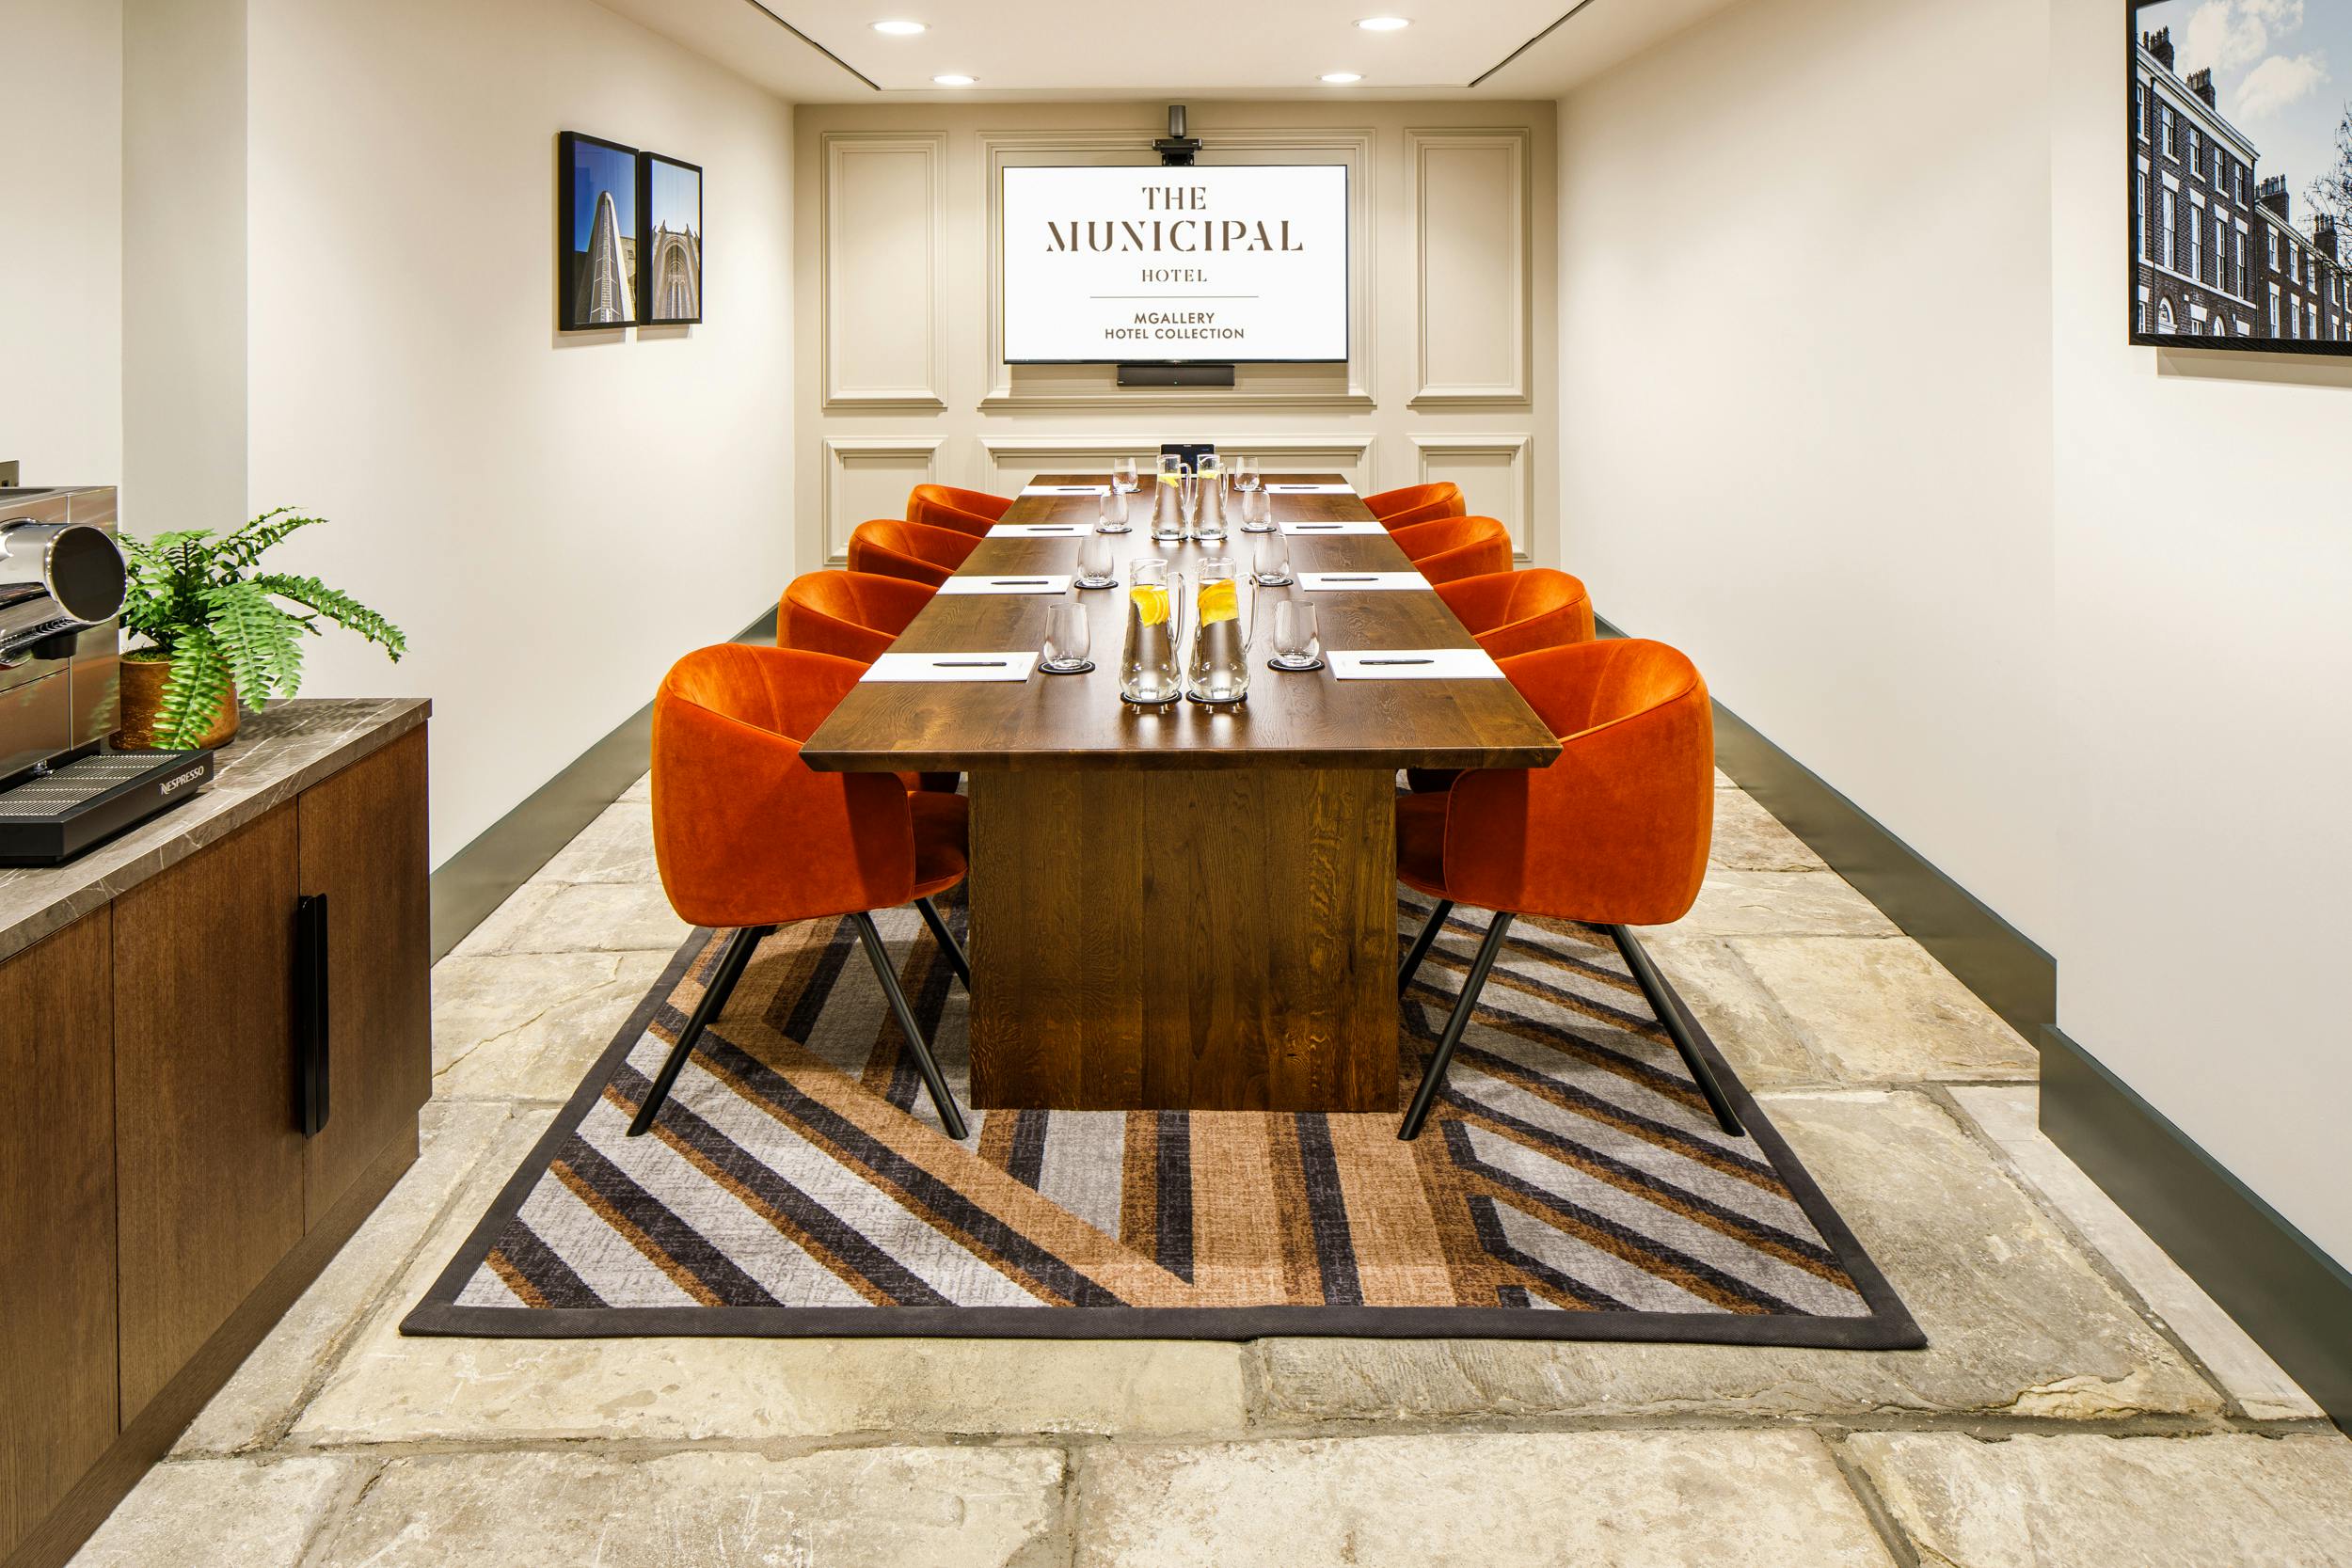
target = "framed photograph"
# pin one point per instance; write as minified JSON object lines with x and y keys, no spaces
{"x":670,"y":240}
{"x":2239,"y":156}
{"x":596,"y":248}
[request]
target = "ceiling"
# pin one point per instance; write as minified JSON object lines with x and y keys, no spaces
{"x":827,"y":51}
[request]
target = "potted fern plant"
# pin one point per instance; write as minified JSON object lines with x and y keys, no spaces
{"x":218,"y":628}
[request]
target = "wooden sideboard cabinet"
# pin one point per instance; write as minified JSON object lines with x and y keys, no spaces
{"x":204,"y":991}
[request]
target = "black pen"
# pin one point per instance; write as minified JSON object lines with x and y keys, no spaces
{"x":1351,"y":579}
{"x":1400,"y":661}
{"x":978,"y":664}
{"x":1016,"y":582}
{"x":1309,"y":527}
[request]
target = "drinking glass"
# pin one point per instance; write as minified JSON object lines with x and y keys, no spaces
{"x":1257,"y":512}
{"x":1113,"y":518}
{"x":1123,"y":475}
{"x":1063,"y":652}
{"x":1094,"y":560}
{"x":1245,"y":474}
{"x":1274,"y":561}
{"x":1297,"y":641}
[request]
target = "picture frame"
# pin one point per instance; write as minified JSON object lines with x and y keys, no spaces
{"x":671,"y":241}
{"x":595,"y":233}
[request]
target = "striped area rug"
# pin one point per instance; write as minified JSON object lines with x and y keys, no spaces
{"x":1572,"y":1184}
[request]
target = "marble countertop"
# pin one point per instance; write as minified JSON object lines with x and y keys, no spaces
{"x":279,"y":752}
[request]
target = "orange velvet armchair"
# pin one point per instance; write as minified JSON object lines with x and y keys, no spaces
{"x":1520,"y":612}
{"x":1416,"y":503}
{"x":1614,"y":833}
{"x":748,"y":836}
{"x":972,"y":512}
{"x":848,"y":614}
{"x":888,"y":548}
{"x":1452,"y":548}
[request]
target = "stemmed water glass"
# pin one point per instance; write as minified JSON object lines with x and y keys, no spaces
{"x":1068,"y":640}
{"x":1297,"y":641}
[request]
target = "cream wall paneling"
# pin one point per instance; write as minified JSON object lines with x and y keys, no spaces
{"x":1472,"y":310}
{"x":1013,"y":461}
{"x":1096,"y":387}
{"x":869,"y":476}
{"x":882,"y":262}
{"x":1496,"y":474}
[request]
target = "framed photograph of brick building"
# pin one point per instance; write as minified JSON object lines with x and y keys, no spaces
{"x":2240,"y":164}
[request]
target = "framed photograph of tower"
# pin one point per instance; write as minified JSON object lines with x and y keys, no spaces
{"x":2239,"y":153}
{"x":596,"y":241}
{"x":669,"y":239}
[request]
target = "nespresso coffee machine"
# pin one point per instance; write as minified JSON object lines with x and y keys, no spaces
{"x":62,"y":588}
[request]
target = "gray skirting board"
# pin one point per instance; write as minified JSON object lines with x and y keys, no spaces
{"x":2292,"y":1297}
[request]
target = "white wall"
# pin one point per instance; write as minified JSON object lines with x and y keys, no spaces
{"x":552,"y":518}
{"x":1452,"y":241}
{"x":2205,"y":600}
{"x":1806,"y":424}
{"x":61,"y":241}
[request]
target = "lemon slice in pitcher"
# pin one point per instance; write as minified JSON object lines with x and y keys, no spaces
{"x":1219,"y":601}
{"x":1150,"y":604}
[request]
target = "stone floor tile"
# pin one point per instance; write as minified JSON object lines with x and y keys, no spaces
{"x":1595,"y":1499}
{"x":2019,"y":1321}
{"x":528,"y":1025}
{"x":2009,"y":1114}
{"x":1885,"y":1010}
{"x":263,"y":1393}
{"x":2117,"y":1502}
{"x":255,"y":1513}
{"x":579,"y":917}
{"x":1749,"y":838}
{"x":1722,"y":780}
{"x":1778,"y":903}
{"x":1737,"y":1013}
{"x":863,"y":1508}
{"x":640,"y":790}
{"x":616,"y":848}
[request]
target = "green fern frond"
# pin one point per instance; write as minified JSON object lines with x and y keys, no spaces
{"x":338,"y":607}
{"x":244,"y":547}
{"x":252,"y":635}
{"x":199,"y":679}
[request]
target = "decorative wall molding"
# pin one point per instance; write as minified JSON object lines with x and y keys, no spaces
{"x":1463,"y":261}
{"x":869,"y":476}
{"x":849,"y":321}
{"x":1497,"y":476}
{"x":1009,"y":457}
{"x":1084,"y":386}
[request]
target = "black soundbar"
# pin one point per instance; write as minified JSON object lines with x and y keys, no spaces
{"x":1175,"y":375}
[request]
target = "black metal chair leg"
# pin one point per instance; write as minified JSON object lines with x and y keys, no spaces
{"x":729,"y":969}
{"x":948,"y":942}
{"x":1671,"y":1012}
{"x":1419,"y":949}
{"x":1433,"y":1078}
{"x":950,"y":1116}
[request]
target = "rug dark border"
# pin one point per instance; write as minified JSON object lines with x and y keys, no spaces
{"x":1889,"y":1325}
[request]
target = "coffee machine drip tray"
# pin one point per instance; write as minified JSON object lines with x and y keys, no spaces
{"x":50,"y":818}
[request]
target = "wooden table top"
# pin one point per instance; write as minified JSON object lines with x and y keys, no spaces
{"x":1077,"y":721}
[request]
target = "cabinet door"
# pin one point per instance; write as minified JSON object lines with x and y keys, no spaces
{"x":208,"y":1152}
{"x":56,"y":1221}
{"x":363,"y":849}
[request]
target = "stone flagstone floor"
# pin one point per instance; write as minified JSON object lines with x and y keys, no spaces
{"x":2083,"y":1404}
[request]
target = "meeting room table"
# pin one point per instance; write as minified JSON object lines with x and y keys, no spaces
{"x":1192,"y":907}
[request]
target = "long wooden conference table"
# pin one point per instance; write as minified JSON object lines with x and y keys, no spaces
{"x":1192,"y":908}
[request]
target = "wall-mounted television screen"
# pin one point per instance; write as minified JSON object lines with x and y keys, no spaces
{"x":2240,"y":152}
{"x":1225,"y":264}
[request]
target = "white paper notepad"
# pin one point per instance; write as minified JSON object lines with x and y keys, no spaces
{"x":1362,"y":582}
{"x":1414,"y":664}
{"x":1040,"y":585}
{"x":1040,"y":530}
{"x":1063,"y":489}
{"x":1311,"y":489}
{"x":1359,"y":526}
{"x":952,"y":667}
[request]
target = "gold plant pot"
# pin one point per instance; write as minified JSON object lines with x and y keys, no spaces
{"x":143,"y":681}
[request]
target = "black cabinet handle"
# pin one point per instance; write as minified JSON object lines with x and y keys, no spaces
{"x":311,"y":1021}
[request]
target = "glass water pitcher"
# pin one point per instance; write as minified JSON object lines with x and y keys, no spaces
{"x":1151,"y":672}
{"x":1216,"y":667}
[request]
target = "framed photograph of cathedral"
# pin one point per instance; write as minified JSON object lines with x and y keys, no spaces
{"x":2239,"y":151}
{"x":669,"y":239}
{"x":596,"y":241}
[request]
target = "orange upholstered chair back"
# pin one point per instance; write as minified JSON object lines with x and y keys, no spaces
{"x":1615,"y":829}
{"x":848,"y":614}
{"x":892,"y":548}
{"x":973,"y":512}
{"x":1455,"y":547}
{"x":1518,"y":613}
{"x":744,"y":832}
{"x":1417,"y":503}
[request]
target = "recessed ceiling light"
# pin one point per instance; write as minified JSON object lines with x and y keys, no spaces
{"x":953,"y":80}
{"x":899,"y":29}
{"x":1384,"y":24}
{"x":1340,"y":78}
